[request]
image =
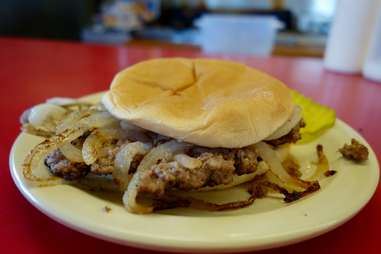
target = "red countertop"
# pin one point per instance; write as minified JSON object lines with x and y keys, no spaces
{"x":32,"y":71}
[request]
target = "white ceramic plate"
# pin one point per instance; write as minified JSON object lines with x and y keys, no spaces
{"x":267,"y":223}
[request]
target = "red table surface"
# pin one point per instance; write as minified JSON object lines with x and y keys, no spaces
{"x":32,"y":71}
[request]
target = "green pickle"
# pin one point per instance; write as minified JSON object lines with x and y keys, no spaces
{"x":317,"y":117}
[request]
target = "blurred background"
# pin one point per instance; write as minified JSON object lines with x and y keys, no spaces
{"x":277,"y":27}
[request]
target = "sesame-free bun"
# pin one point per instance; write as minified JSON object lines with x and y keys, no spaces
{"x":212,"y":103}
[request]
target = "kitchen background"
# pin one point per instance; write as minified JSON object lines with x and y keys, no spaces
{"x":278,"y":27}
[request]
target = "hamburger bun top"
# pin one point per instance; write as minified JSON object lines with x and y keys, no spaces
{"x":212,"y":103}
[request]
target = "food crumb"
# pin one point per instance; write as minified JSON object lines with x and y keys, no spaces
{"x":355,"y":151}
{"x":305,"y":214}
{"x":330,"y":173}
{"x":107,"y":209}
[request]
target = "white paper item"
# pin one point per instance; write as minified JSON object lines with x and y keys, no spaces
{"x":372,"y":66}
{"x":350,"y":34}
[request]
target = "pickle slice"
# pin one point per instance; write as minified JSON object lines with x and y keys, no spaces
{"x":317,"y":117}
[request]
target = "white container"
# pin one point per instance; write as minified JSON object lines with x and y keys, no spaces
{"x":237,"y":4}
{"x":350,"y":35}
{"x":100,"y":35}
{"x":372,"y":66}
{"x":242,"y":34}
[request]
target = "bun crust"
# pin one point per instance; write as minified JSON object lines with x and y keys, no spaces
{"x":212,"y":103}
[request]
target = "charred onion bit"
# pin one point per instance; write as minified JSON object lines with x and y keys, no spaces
{"x":175,"y":202}
{"x":330,"y":173}
{"x":295,"y":195}
{"x":322,"y":165}
{"x":292,"y":166}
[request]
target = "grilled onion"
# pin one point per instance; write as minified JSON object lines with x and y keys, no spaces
{"x":66,"y":102}
{"x":91,"y":147}
{"x":71,"y":152}
{"x":99,"y":120}
{"x":187,"y":161}
{"x":44,"y":116}
{"x":123,"y":160}
{"x":274,"y":179}
{"x":164,"y":152}
{"x":322,"y":165}
{"x":71,"y":119}
{"x":30,"y":129}
{"x":39,"y":153}
{"x":270,"y":156}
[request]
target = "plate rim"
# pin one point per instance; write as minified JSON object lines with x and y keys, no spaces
{"x":153,"y":243}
